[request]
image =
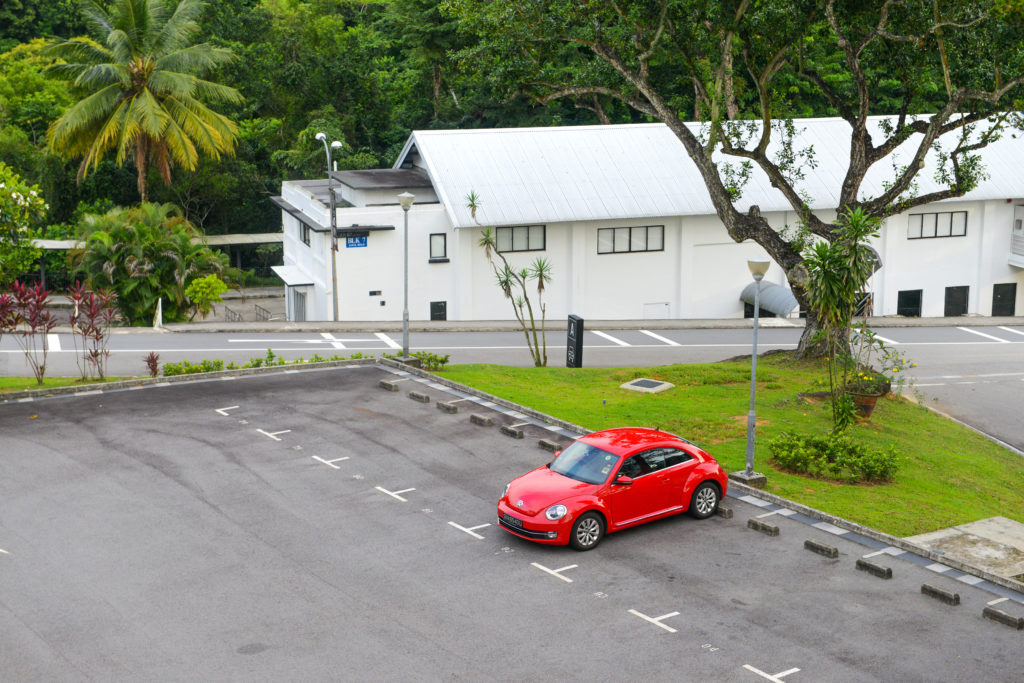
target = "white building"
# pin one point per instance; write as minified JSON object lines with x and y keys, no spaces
{"x":627,"y":225}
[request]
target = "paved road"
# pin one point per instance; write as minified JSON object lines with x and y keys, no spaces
{"x":311,"y":526}
{"x":971,"y":372}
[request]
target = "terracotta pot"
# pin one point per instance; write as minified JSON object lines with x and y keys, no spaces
{"x":865,"y":403}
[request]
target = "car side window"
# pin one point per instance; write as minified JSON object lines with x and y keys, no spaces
{"x":635,"y":467}
{"x":674,"y":456}
{"x":655,"y":459}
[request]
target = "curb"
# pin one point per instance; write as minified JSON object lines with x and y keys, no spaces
{"x":940,"y":594}
{"x":874,"y":568}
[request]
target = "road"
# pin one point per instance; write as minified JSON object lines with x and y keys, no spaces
{"x":971,"y":373}
{"x":312,"y":526}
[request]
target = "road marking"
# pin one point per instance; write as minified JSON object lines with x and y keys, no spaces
{"x":969,"y":580}
{"x":611,"y":338}
{"x":755,"y":501}
{"x":938,"y":568}
{"x":520,"y":424}
{"x":222,"y":411}
{"x":832,"y":529}
{"x":273,"y":435}
{"x":330,"y":463}
{"x":471,"y":530}
{"x":7,"y":553}
{"x":336,"y":343}
{"x":556,"y":572}
{"x":782,"y":513}
{"x":889,"y":550}
{"x":777,"y":678}
{"x":656,"y":620}
{"x":394,"y":494}
{"x":890,"y":342}
{"x":53,"y":342}
{"x":996,"y":601}
{"x":982,"y":334}
{"x":1010,"y":329}
{"x":392,"y":344}
{"x":660,"y":338}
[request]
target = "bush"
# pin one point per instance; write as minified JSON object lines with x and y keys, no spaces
{"x":187,"y":368}
{"x":430,"y":361}
{"x":833,"y":456}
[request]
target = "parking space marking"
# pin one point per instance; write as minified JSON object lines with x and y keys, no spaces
{"x":986,"y":336}
{"x":1010,"y":329}
{"x":888,"y":550}
{"x":777,"y":678}
{"x":755,"y":501}
{"x":392,"y":344}
{"x":970,"y":580}
{"x":996,"y":601}
{"x":656,"y":620}
{"x":660,"y":338}
{"x":273,"y":435}
{"x":471,"y":530}
{"x":394,"y":494}
{"x":782,"y":513}
{"x":223,"y":411}
{"x":556,"y":572}
{"x":334,"y":342}
{"x":611,"y":338}
{"x":831,"y":528}
{"x":938,"y":568}
{"x":7,"y":553}
{"x":330,"y":463}
{"x":53,"y":342}
{"x":890,"y":342}
{"x":520,"y":424}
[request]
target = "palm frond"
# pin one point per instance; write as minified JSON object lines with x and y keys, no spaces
{"x":178,"y":28}
{"x":210,"y":91}
{"x":97,"y":20}
{"x":78,"y":50}
{"x":82,"y":116}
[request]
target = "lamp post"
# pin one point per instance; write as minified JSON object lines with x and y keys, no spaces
{"x":405,"y":199}
{"x":334,"y":220}
{"x":758,"y":268}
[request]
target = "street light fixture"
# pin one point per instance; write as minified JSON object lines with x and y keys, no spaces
{"x":405,"y":199}
{"x":758,"y":268}
{"x":334,"y":220}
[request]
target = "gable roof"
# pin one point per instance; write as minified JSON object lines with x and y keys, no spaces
{"x":633,"y":171}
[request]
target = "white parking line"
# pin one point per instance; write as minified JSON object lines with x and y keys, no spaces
{"x":1010,"y":329}
{"x":996,"y":601}
{"x":831,"y":528}
{"x":890,"y":342}
{"x":755,"y":501}
{"x":656,"y":620}
{"x":555,"y":572}
{"x":273,"y":435}
{"x":471,"y":530}
{"x":777,"y":678}
{"x":982,"y":334}
{"x":222,"y":411}
{"x":334,"y":342}
{"x":888,"y":550}
{"x":611,"y":338}
{"x":330,"y":462}
{"x":660,"y":338}
{"x":782,"y":513}
{"x":53,"y":342}
{"x":7,"y":553}
{"x":394,"y":494}
{"x":938,"y":568}
{"x":392,"y":344}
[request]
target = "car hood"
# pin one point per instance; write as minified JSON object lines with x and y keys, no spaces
{"x":542,"y":488}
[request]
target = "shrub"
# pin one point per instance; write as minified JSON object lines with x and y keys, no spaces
{"x":431,"y":361}
{"x":833,"y":456}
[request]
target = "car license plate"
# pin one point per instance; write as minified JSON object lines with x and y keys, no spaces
{"x":512,"y":521}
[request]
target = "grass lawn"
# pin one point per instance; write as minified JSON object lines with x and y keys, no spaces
{"x":9,"y":384}
{"x":948,"y":474}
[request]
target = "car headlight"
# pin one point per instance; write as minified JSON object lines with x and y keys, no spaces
{"x":556,"y":512}
{"x":505,"y":492}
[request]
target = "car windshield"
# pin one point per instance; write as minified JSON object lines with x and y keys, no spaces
{"x":583,"y":462}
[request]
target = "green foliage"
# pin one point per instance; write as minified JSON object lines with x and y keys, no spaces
{"x":187,"y":368}
{"x":271,"y":359}
{"x":835,"y":456}
{"x":143,"y":254}
{"x":203,"y":292}
{"x":21,"y":207}
{"x":430,"y":361}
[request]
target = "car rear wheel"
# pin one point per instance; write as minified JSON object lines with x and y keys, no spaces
{"x":704,"y":501}
{"x":587,"y":532}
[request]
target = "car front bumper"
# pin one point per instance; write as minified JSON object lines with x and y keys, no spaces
{"x":537,"y":528}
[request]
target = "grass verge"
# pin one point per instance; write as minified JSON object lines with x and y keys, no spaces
{"x":948,"y":474}
{"x":12,"y":384}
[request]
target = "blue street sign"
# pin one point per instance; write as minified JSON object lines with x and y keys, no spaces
{"x":351,"y":242}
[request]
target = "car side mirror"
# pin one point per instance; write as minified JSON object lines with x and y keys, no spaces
{"x":556,"y":454}
{"x":623,"y":480}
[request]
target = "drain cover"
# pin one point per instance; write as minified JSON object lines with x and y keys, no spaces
{"x":648,"y":386}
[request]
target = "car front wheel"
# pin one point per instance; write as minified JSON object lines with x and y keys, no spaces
{"x":587,"y":532}
{"x":704,"y":501}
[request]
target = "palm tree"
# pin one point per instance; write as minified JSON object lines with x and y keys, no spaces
{"x":143,"y":91}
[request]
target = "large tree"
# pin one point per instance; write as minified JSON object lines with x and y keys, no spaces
{"x":744,"y":69}
{"x":144,"y":92}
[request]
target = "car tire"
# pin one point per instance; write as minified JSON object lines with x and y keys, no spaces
{"x":587,"y":532}
{"x":704,"y":501}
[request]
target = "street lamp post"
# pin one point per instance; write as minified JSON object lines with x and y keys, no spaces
{"x":758,"y":268}
{"x":405,"y":199}
{"x":334,"y":220}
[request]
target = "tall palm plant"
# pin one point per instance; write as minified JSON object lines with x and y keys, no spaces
{"x":141,"y":77}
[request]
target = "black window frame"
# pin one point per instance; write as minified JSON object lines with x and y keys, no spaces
{"x":304,"y":233}
{"x":630,"y":239}
{"x":443,"y":258}
{"x":933,"y":222}
{"x":510,"y":229}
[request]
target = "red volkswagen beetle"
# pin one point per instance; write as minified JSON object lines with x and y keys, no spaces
{"x":611,"y":480}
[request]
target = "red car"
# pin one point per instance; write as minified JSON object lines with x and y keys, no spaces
{"x":611,"y":480}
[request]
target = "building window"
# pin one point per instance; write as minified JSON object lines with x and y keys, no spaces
{"x":625,"y":240}
{"x":908,"y":303}
{"x":304,"y":233}
{"x":521,"y":238}
{"x":946,"y":224}
{"x":438,"y":247}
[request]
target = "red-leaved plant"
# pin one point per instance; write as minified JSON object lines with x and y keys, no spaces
{"x":31,"y":322}
{"x":91,"y":317}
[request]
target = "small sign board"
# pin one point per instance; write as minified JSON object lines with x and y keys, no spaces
{"x":574,"y":343}
{"x":352,"y":242}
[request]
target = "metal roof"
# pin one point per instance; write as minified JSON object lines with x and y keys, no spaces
{"x":383,"y":178}
{"x":633,"y":171}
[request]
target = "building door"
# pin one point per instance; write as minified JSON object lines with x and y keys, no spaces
{"x":298,"y":306}
{"x":1004,"y":299}
{"x":956,"y":301}
{"x":908,"y":303}
{"x":438,"y":310}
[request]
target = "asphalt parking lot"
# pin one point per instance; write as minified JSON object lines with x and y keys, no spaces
{"x":314,"y":526}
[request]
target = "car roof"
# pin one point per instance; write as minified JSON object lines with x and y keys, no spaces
{"x":625,"y":440}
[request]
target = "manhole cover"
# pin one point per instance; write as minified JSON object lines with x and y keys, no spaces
{"x":648,"y":386}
